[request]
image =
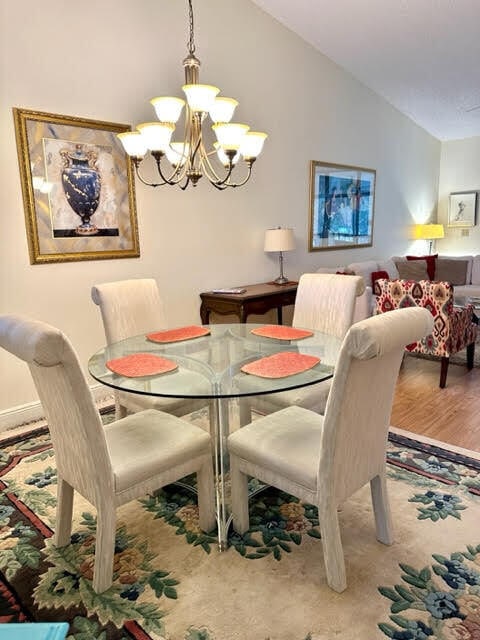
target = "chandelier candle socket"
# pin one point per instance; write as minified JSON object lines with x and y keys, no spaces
{"x":279,"y":240}
{"x":189,"y":158}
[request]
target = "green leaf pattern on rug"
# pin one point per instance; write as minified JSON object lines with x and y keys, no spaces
{"x":438,"y":505}
{"x":85,"y":629}
{"x":277,"y":519}
{"x":447,"y":594}
{"x":68,"y":582}
{"x":16,"y":548}
{"x":180,"y":510}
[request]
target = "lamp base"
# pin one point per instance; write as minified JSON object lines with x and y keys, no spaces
{"x":281,"y":280}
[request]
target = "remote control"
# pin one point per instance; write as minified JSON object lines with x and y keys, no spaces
{"x":230,"y":290}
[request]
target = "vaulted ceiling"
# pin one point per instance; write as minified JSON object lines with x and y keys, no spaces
{"x":423,"y":56}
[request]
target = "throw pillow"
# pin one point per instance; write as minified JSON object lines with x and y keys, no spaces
{"x":413,"y":270}
{"x":430,"y":260}
{"x":390,"y":267}
{"x":453,"y":271}
{"x":378,"y":275}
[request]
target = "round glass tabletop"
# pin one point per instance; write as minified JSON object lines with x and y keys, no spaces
{"x":210,"y":366}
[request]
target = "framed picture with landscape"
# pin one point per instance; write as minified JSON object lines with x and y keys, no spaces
{"x":78,"y":188}
{"x":342,"y":199}
{"x":462,"y":209}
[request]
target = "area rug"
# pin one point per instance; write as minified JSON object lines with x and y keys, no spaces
{"x":172,"y":583}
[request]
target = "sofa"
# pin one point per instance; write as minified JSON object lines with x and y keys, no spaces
{"x":463,"y":272}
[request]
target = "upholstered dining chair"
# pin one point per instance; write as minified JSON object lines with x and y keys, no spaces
{"x":129,"y":308}
{"x":325,"y":302}
{"x":323,"y":460}
{"x":108,"y":465}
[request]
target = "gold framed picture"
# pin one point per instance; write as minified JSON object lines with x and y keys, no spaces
{"x":78,"y":188}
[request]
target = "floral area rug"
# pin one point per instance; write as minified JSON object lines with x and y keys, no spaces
{"x":172,"y":583}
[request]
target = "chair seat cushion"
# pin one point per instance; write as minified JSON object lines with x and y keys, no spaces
{"x":147,"y":443}
{"x":268,"y":442}
{"x":313,"y":397}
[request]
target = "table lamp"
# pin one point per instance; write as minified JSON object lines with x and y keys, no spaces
{"x":428,"y":232}
{"x":279,"y":240}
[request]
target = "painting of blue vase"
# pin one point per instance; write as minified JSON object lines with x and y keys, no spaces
{"x":82,"y":184}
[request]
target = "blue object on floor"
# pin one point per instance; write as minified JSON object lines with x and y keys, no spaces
{"x":33,"y":631}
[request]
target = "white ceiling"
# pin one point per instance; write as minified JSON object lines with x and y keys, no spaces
{"x":423,"y":56}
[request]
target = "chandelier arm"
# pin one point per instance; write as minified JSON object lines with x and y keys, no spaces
{"x":208,"y":167}
{"x":246,"y":179}
{"x":158,"y":155}
{"x":136,"y":162}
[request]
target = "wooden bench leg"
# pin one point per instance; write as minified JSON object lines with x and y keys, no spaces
{"x":443,"y":371}
{"x":470,"y":355}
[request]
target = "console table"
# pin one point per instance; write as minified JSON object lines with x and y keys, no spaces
{"x":257,"y":298}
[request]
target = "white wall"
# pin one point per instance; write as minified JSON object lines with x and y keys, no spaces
{"x":459,"y":163}
{"x":105,"y":60}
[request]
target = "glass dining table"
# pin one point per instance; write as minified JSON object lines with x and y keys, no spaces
{"x":210,"y":367}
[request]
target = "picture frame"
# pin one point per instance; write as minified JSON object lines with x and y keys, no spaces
{"x":342,"y":203}
{"x":78,"y":188}
{"x":462,"y":209}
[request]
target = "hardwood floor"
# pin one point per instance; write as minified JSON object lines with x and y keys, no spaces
{"x":451,"y":415}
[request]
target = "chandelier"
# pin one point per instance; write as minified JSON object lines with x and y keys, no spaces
{"x":185,"y":162}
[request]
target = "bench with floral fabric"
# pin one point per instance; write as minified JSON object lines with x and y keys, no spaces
{"x":454,"y":328}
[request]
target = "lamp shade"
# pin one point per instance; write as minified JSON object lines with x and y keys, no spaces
{"x":428,"y":231}
{"x":279,"y":240}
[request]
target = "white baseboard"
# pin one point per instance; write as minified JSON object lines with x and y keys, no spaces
{"x":25,"y":413}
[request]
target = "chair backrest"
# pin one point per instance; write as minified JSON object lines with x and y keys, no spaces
{"x":357,"y":414}
{"x":437,"y":296}
{"x":129,"y":307}
{"x":326,"y":302}
{"x":73,"y":420}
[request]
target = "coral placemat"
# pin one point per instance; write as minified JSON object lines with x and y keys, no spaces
{"x":281,"y":365}
{"x":281,"y":333}
{"x":176,"y":335}
{"x":137,"y":365}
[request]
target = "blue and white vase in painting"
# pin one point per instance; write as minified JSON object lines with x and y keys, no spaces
{"x":82,"y":183}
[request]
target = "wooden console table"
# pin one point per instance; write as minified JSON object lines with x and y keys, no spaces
{"x":258,"y":298}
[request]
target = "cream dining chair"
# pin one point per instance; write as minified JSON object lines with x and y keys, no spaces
{"x":130,"y":308}
{"x":323,"y":460}
{"x":325,"y":302}
{"x":108,"y":465}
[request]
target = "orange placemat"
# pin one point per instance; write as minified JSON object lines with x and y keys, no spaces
{"x":137,"y":365}
{"x":176,"y":335}
{"x":281,"y":333}
{"x":281,"y":365}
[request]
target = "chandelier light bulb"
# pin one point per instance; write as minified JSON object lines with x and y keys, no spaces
{"x":133,"y":143}
{"x":252,"y":144}
{"x":156,"y":134}
{"x":167,"y":108}
{"x":230,"y":135}
{"x":222,"y":156}
{"x":200,"y":97}
{"x":177,"y":153}
{"x":222,"y":109}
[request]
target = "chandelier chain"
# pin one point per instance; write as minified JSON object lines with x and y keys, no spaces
{"x":191,"y":43}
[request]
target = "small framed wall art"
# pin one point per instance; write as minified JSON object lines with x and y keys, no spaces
{"x":462,"y":209}
{"x":342,"y":199}
{"x":78,"y":188}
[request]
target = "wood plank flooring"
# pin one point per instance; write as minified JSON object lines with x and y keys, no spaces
{"x":451,"y":415}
